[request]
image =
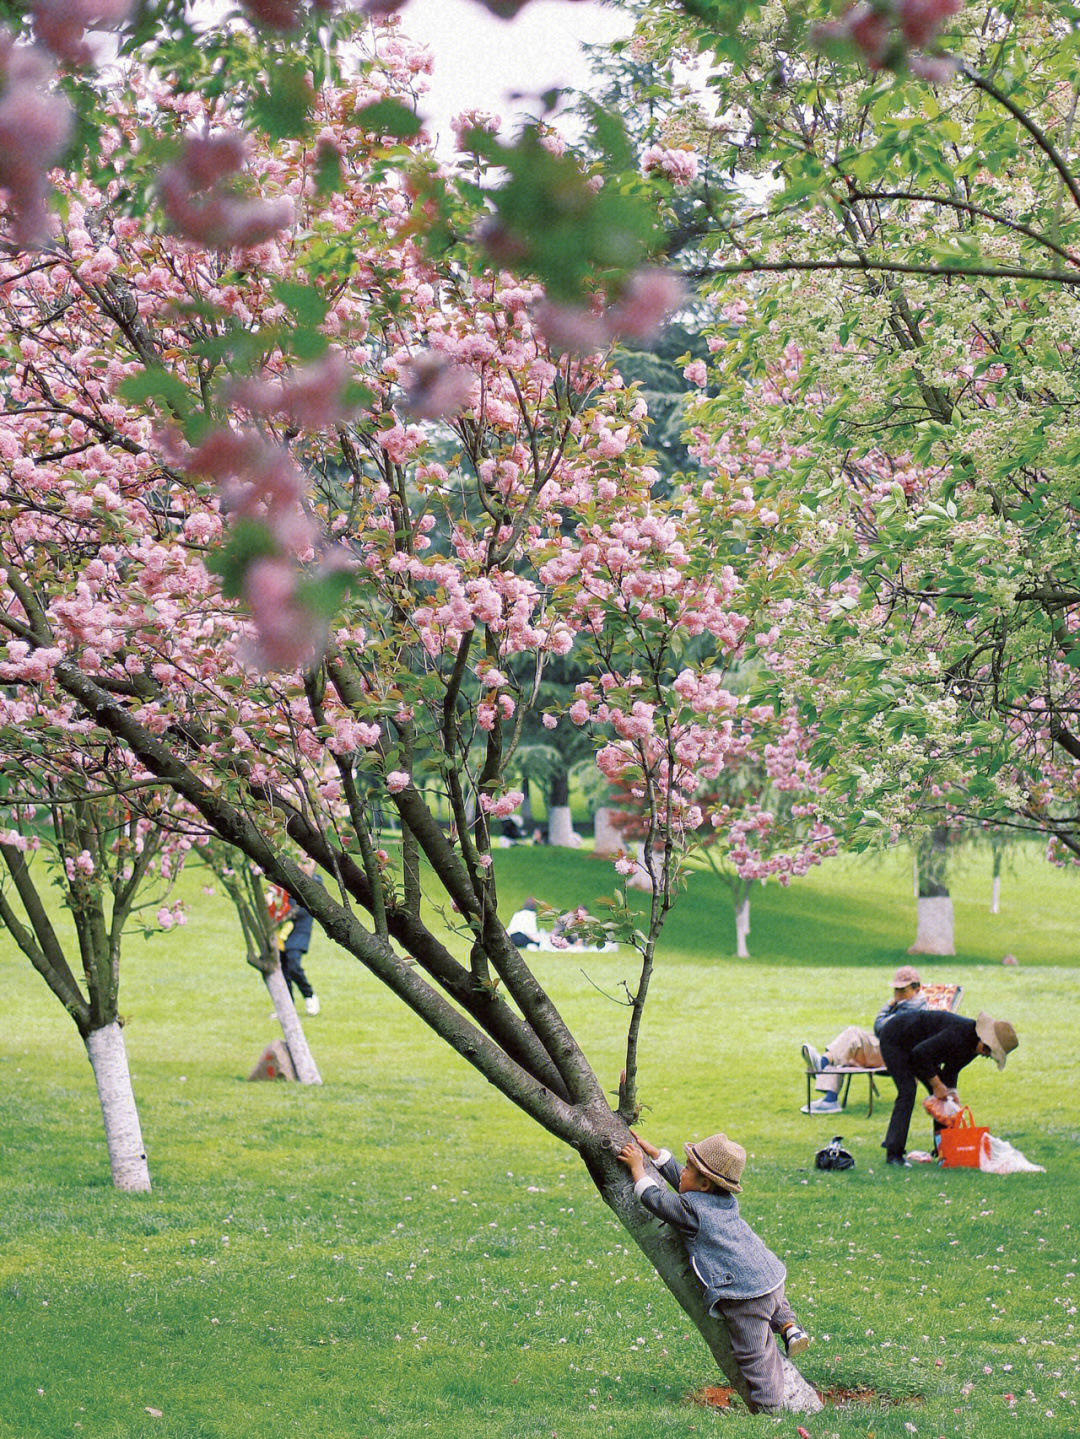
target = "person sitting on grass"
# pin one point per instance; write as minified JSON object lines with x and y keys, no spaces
{"x":743,"y":1279}
{"x":523,"y":928}
{"x":857,"y":1046}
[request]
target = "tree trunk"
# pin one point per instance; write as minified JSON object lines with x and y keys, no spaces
{"x":934,"y":926}
{"x":560,"y":825}
{"x":995,"y":896}
{"x":666,"y":1252}
{"x":293,"y":1031}
{"x":742,"y":922}
{"x":607,"y":839}
{"x":934,"y":934}
{"x":127,"y":1158}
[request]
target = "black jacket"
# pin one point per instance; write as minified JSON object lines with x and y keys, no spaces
{"x":929,"y":1042}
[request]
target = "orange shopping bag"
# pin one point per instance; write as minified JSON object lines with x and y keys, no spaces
{"x":962,"y":1146}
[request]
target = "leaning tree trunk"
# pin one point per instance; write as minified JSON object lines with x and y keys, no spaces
{"x":295,"y":1039}
{"x":742,"y":920}
{"x":667,"y":1254}
{"x":127,"y":1157}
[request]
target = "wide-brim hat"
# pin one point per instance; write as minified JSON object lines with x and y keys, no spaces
{"x":998,"y":1035}
{"x":905,"y":975}
{"x":719,"y":1159}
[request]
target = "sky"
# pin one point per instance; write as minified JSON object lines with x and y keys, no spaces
{"x":479,"y":59}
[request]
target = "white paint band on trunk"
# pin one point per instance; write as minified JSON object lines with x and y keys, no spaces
{"x":291,"y":1028}
{"x":127,"y":1158}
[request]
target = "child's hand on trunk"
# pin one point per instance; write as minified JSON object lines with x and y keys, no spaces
{"x":632,"y":1157}
{"x":650,"y":1149}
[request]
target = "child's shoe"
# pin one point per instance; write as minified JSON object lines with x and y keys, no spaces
{"x":796,"y":1340}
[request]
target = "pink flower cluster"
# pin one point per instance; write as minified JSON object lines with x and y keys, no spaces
{"x":283,"y":14}
{"x":883,"y":31}
{"x":262,"y":483}
{"x":35,"y":126}
{"x":289,"y":634}
{"x":259,"y":482}
{"x":201,"y":204}
{"x":679,"y":166}
{"x":61,"y":25}
{"x":499,"y":806}
{"x":651,"y":295}
{"x":436,"y":386}
{"x":312,"y":398}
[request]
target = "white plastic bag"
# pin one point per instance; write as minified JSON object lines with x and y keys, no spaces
{"x":1004,"y":1158}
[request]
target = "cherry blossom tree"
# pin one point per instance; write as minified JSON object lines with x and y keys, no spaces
{"x":112,"y":869}
{"x":894,"y":280}
{"x":299,"y":516}
{"x":759,"y":817}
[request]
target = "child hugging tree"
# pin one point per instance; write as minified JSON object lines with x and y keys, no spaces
{"x":743,"y":1278}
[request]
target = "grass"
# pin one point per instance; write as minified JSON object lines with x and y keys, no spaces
{"x":401,"y":1253}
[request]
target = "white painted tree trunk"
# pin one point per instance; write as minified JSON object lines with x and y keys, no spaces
{"x":291,"y":1028}
{"x":934,"y":932}
{"x":995,"y":897}
{"x":127,"y":1158}
{"x":742,"y":925}
{"x":608,"y":840}
{"x":561,"y":827}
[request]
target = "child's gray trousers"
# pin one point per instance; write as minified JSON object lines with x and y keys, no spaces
{"x":751,"y":1325}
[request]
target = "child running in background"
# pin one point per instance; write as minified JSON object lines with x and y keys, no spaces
{"x":742,"y":1277}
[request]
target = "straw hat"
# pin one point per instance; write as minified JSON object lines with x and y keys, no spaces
{"x":719,"y":1159}
{"x":905,"y":975}
{"x":998,"y":1035}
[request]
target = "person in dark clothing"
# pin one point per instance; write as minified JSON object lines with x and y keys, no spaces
{"x":933,"y":1046}
{"x":296,"y":944}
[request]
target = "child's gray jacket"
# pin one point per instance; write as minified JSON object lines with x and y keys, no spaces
{"x":727,"y":1256}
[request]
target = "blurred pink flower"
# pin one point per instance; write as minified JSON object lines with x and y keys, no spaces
{"x":436,"y":387}
{"x":35,"y":126}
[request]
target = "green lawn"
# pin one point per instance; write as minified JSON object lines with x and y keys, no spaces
{"x":401,"y":1253}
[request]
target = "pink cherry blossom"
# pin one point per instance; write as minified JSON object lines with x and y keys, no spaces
{"x":397,"y":780}
{"x":61,"y":24}
{"x":35,"y":126}
{"x":502,"y":805}
{"x":200,"y":206}
{"x":436,"y":386}
{"x":679,"y":166}
{"x":651,"y":295}
{"x":289,"y":634}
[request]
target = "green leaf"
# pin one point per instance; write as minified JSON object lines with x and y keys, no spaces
{"x":390,"y":117}
{"x":156,"y":384}
{"x":283,"y":108}
{"x":302,"y":301}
